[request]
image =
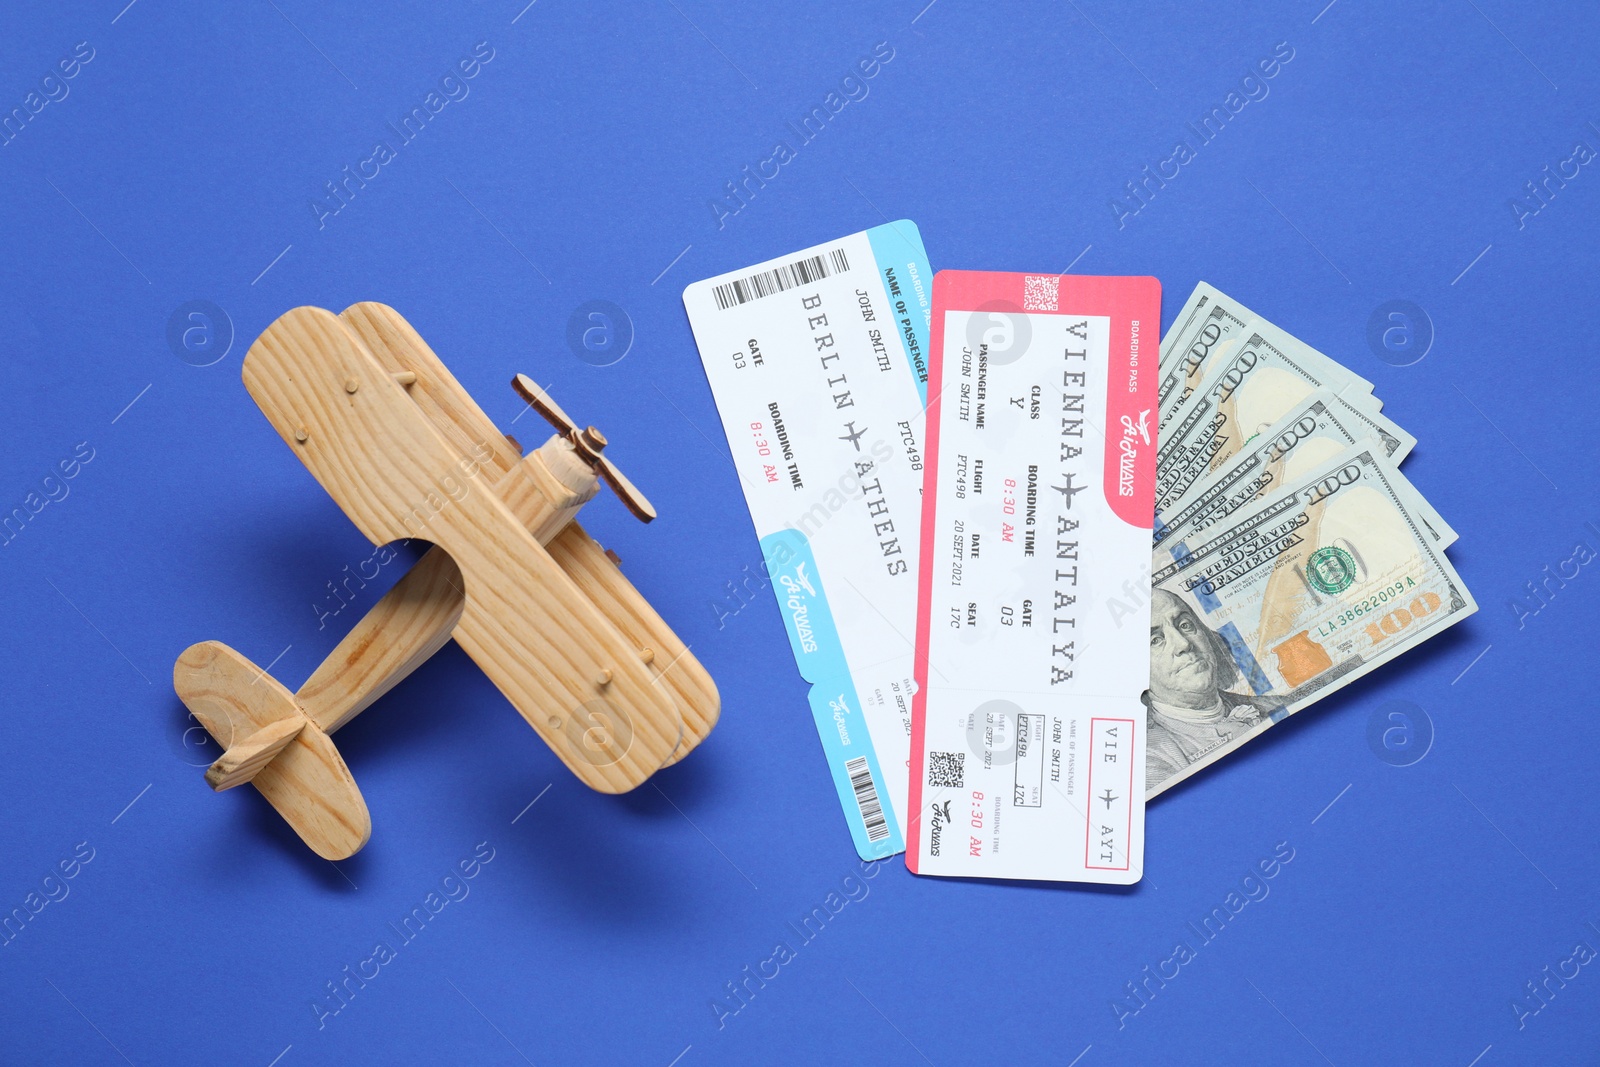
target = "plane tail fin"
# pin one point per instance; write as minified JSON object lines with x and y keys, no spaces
{"x":270,"y":743}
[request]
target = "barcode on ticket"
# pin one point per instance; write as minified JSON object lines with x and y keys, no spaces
{"x":788,"y":276}
{"x":867,"y":798}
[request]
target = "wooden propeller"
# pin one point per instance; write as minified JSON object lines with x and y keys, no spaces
{"x":590,"y":444}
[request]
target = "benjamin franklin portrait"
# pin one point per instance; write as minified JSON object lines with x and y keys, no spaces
{"x":1191,"y":708}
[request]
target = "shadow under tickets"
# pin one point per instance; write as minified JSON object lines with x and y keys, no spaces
{"x":1449,"y":645}
{"x":1043,"y":886}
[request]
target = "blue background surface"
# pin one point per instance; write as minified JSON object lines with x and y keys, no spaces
{"x":1420,"y":899}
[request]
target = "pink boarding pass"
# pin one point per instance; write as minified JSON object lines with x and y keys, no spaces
{"x":1033,"y":647}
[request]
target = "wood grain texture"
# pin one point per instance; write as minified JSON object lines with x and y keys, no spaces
{"x":418,"y":614}
{"x":399,"y":347}
{"x":545,"y":491}
{"x":307,"y":782}
{"x":587,"y":564}
{"x":546,"y":646}
{"x":412,"y":621}
{"x":548,"y":488}
{"x":310,"y":786}
{"x":280,"y":742}
{"x":244,"y":759}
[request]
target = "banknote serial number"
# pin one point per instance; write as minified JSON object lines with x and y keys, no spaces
{"x":1396,"y":618}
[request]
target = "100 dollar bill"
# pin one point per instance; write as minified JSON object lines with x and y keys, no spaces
{"x":1257,"y":386}
{"x":1193,"y":314}
{"x":1210,"y":326}
{"x":1317,"y":428}
{"x":1298,"y":594}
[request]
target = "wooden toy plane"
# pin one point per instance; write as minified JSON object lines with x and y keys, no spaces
{"x":533,"y":599}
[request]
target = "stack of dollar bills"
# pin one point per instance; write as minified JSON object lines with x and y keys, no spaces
{"x":1291,"y":555}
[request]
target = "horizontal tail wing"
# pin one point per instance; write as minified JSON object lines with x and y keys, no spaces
{"x":271,"y":744}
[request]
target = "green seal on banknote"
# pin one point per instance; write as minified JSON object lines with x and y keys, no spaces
{"x":1330,"y":570}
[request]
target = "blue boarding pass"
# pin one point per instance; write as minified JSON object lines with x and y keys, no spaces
{"x":818,"y":362}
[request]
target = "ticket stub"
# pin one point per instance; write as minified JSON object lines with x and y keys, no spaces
{"x":818,"y":361}
{"x":1033,"y":646}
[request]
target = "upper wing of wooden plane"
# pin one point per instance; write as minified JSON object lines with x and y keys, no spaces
{"x":451,"y":409}
{"x":567,"y":669}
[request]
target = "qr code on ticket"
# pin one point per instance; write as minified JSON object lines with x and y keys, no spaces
{"x":946,"y":770}
{"x":1039,"y":292}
